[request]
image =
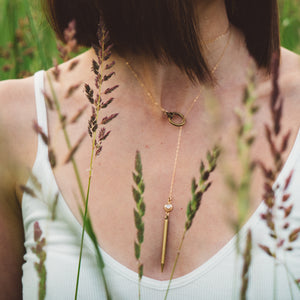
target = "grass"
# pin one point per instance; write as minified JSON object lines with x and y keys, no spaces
{"x":19,"y":55}
{"x":290,"y":24}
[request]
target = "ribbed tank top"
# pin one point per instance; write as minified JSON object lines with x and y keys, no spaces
{"x":218,"y":278}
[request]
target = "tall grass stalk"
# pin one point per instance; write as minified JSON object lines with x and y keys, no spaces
{"x":139,"y":212}
{"x":242,"y":188}
{"x":82,"y":193}
{"x":245,"y":139}
{"x":67,"y":139}
{"x":86,"y":219}
{"x":198,"y":190}
{"x":247,"y":261}
{"x":272,"y":199}
{"x":101,"y":53}
{"x":85,"y":198}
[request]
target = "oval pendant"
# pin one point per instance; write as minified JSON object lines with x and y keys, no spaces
{"x":179,"y":118}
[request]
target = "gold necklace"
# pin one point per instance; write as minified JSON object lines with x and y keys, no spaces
{"x":168,"y":207}
{"x":210,"y":41}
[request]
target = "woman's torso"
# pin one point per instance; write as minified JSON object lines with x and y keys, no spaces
{"x":112,"y":207}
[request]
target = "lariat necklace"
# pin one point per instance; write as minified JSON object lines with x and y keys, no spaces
{"x":176,"y":119}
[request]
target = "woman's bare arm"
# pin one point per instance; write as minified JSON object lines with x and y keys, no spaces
{"x":11,"y":237}
{"x":16,"y":113}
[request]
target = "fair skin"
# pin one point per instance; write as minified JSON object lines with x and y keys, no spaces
{"x":141,"y":126}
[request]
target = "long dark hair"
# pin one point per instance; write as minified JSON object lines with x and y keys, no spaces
{"x":166,"y":29}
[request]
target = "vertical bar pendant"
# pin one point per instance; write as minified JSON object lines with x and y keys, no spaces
{"x":164,"y":244}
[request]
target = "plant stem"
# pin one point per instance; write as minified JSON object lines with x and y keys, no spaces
{"x":86,"y":204}
{"x":291,"y":275}
{"x":139,"y":288}
{"x":79,"y":182}
{"x":84,"y":226}
{"x":66,"y":136}
{"x":80,"y":185}
{"x":175,"y":263}
{"x":289,"y":282}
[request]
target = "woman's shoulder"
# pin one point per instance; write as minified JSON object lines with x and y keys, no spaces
{"x":17,"y":113}
{"x":289,"y":81}
{"x":289,"y":60}
{"x":13,"y":88}
{"x":16,"y":100}
{"x":289,"y":85}
{"x":290,"y":74}
{"x":289,"y":88}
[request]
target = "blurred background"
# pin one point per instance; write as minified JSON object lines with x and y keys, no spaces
{"x":27,"y":44}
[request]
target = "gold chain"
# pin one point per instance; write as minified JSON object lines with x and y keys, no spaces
{"x":222,"y":55}
{"x":169,"y":206}
{"x":210,"y":41}
{"x":176,"y":115}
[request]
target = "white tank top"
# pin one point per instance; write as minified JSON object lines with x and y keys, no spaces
{"x":218,"y":278}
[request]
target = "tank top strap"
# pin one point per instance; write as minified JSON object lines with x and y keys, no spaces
{"x":40,"y":101}
{"x":41,"y":112}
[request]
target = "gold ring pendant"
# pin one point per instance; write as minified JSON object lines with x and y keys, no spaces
{"x":179,"y":118}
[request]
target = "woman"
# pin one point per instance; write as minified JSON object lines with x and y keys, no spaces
{"x":169,"y":56}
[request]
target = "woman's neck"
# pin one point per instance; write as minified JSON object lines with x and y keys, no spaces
{"x":212,"y":18}
{"x":170,"y":86}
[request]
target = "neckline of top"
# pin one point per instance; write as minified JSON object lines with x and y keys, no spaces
{"x":200,"y":270}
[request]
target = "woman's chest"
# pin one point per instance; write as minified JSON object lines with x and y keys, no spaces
{"x":170,"y":160}
{"x":111,"y":203}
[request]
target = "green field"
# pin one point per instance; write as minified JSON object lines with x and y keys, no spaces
{"x":21,"y":55}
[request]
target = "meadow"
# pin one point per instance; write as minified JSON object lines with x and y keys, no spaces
{"x":24,"y":49}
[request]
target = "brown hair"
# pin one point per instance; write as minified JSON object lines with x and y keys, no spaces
{"x":165,"y":29}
